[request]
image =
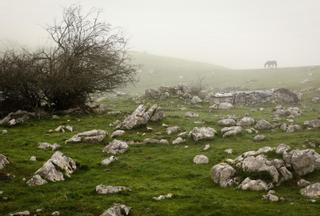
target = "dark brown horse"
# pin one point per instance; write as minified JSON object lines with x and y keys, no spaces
{"x":271,"y":64}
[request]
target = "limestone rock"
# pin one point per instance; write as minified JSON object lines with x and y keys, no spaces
{"x":108,"y":160}
{"x":231,"y":131}
{"x":246,"y":121}
{"x":107,"y":189}
{"x":263,"y":125}
{"x":259,"y":137}
{"x":54,"y":169}
{"x":92,"y":136}
{"x":200,"y":159}
{"x":141,"y":116}
{"x":303,"y":161}
{"x":178,"y":140}
{"x":117,"y":210}
{"x":202,"y":133}
{"x":303,"y":183}
{"x":3,"y":161}
{"x":227,"y":122}
{"x":315,"y":123}
{"x":311,"y":191}
{"x":117,"y":133}
{"x":116,"y":147}
{"x":191,"y":115}
{"x":253,"y":185}
{"x":172,"y":130}
{"x":45,"y":145}
{"x":223,"y":174}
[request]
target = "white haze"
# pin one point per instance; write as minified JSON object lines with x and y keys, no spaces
{"x":232,"y":33}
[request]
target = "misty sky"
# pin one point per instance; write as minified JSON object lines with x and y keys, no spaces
{"x":232,"y":33}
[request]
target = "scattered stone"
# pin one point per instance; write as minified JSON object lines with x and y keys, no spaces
{"x":162,"y":197}
{"x":45,"y":146}
{"x":206,"y":147}
{"x":302,"y":161}
{"x":92,"y":136}
{"x":21,"y":213}
{"x":223,"y":174}
{"x":3,"y":161}
{"x":15,"y":118}
{"x":293,"y":128}
{"x":55,"y":213}
{"x":228,"y":151}
{"x":200,"y":159}
{"x":259,"y":137}
{"x":114,"y":113}
{"x":263,"y":125}
{"x":271,"y":196}
{"x":141,"y":116}
{"x":311,"y":191}
{"x":117,"y":210}
{"x":227,"y":122}
{"x":195,"y":100}
{"x":253,"y":185}
{"x":4,"y":131}
{"x":282,"y":148}
{"x":178,"y":140}
{"x":221,"y":106}
{"x":172,"y":130}
{"x":231,"y":131}
{"x":202,"y":133}
{"x":108,"y":160}
{"x":191,"y":115}
{"x":303,"y":183}
{"x":183,"y":134}
{"x":151,"y":141}
{"x":33,"y":158}
{"x":36,"y":180}
{"x":116,"y":147}
{"x":117,"y":133}
{"x":315,"y":123}
{"x":107,"y":189}
{"x":164,"y":141}
{"x":246,"y":121}
{"x":64,"y":128}
{"x":54,"y":169}
{"x":55,"y":117}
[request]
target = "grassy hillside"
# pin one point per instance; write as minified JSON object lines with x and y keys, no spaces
{"x":157,"y":71}
{"x":149,"y":170}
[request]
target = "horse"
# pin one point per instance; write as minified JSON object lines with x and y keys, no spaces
{"x":271,"y":64}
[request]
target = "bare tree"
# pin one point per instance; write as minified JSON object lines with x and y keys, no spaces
{"x":89,"y":56}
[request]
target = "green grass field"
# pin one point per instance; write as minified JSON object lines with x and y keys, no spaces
{"x":149,"y":170}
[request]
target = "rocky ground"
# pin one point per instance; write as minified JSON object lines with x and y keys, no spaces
{"x":178,"y":157}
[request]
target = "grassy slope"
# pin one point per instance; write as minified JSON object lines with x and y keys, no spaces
{"x":150,"y":170}
{"x":158,"y":70}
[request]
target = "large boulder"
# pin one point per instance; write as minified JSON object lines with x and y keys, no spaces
{"x":116,"y":147}
{"x":141,"y":116}
{"x":92,"y":136}
{"x":311,"y":191}
{"x":283,"y":95}
{"x":56,"y":168}
{"x":3,"y":161}
{"x":202,"y":133}
{"x":117,"y":210}
{"x":223,"y":174}
{"x":302,"y":161}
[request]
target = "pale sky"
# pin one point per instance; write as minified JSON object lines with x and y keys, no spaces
{"x":231,"y":33}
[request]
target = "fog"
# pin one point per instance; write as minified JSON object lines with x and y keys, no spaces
{"x":231,"y":33}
